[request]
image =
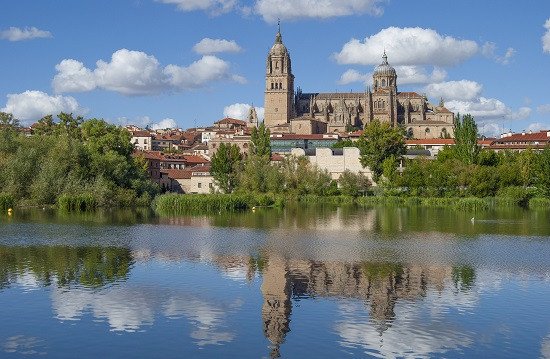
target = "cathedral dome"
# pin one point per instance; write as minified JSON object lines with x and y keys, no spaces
{"x":278,"y":48}
{"x":384,"y":69}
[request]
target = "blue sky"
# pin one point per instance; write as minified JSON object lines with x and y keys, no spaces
{"x":188,"y":62}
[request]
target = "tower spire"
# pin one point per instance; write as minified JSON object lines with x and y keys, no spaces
{"x":278,"y":37}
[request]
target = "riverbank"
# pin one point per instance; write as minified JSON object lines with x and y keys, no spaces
{"x":180,"y":204}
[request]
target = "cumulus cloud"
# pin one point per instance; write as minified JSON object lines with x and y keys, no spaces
{"x":209,"y":46}
{"x":33,"y":105}
{"x":418,"y":75}
{"x":406,"y":75}
{"x":240,"y":111}
{"x":546,"y":37}
{"x":28,"y":33}
{"x":462,"y":90}
{"x":351,"y":76}
{"x":407,"y":46}
{"x":489,"y":50}
{"x":164,"y":124}
{"x":214,"y":7}
{"x":488,"y":108}
{"x":271,"y":10}
{"x":137,"y":73}
{"x":72,"y":76}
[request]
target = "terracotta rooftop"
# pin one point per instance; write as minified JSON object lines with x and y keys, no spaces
{"x":141,"y":133}
{"x":526,"y":137}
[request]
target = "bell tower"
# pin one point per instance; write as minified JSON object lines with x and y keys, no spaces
{"x":279,"y":84}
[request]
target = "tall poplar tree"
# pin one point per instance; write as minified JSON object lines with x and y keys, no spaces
{"x":466,"y":147}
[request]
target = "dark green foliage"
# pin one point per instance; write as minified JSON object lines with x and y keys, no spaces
{"x":67,"y":161}
{"x":344,"y":143}
{"x":6,"y":201}
{"x":77,"y":202}
{"x":378,"y":142}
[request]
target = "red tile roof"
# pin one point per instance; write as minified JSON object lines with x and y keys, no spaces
{"x":526,"y":137}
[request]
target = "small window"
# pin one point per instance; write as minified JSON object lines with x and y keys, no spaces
{"x":272,"y":85}
{"x":145,"y":141}
{"x":211,"y":185}
{"x":199,"y":185}
{"x":383,"y":82}
{"x":280,"y":85}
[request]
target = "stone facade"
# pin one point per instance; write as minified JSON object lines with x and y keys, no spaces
{"x":342,"y":112}
{"x":335,"y":160}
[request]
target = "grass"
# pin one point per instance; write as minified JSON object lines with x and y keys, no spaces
{"x":194,"y":203}
{"x":76,"y":202}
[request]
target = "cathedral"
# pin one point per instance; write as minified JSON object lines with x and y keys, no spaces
{"x":289,"y":111}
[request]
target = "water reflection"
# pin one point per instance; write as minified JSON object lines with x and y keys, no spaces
{"x":394,"y":282}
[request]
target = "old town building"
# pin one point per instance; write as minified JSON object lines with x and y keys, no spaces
{"x":289,"y":111}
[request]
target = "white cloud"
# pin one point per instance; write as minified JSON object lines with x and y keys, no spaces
{"x":72,"y":76}
{"x":407,"y":46}
{"x":240,"y":111}
{"x":351,"y":76}
{"x":546,"y":37}
{"x":406,"y":75}
{"x":462,"y":90}
{"x":491,"y":129}
{"x":208,"y":68}
{"x":488,"y":108}
{"x":137,"y":73}
{"x":489,"y":50}
{"x":164,"y":124}
{"x":209,"y":46}
{"x":28,"y":33}
{"x":545,"y":109}
{"x":214,"y":7}
{"x":270,"y":10}
{"x":32,"y":105}
{"x":418,"y":75}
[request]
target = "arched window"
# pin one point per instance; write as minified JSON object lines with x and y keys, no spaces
{"x":280,"y":85}
{"x":410,"y":132}
{"x":427,"y":130}
{"x":276,"y":86}
{"x":383,"y":82}
{"x":375,"y":83}
{"x":272,"y":85}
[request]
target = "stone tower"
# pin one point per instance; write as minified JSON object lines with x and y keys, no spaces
{"x":279,"y":85}
{"x":384,"y":76}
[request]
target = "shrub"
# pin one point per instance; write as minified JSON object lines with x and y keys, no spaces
{"x":539,"y":203}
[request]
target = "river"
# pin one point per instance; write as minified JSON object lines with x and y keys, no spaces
{"x":315,"y":281}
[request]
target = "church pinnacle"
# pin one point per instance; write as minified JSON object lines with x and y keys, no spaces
{"x":278,"y":37}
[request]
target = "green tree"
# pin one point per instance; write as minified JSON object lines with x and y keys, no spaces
{"x":226,"y":164}
{"x":466,"y":134}
{"x":378,"y":142}
{"x":344,"y":143}
{"x":353,"y":184}
{"x":261,"y":141}
{"x":542,"y":179}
